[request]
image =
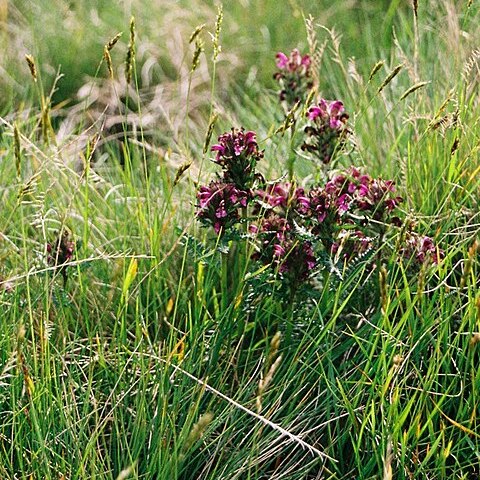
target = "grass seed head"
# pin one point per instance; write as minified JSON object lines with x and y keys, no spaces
{"x":375,"y":69}
{"x":196,"y":33}
{"x":413,"y":88}
{"x":198,"y":430}
{"x":275,"y":343}
{"x":108,"y":60}
{"x":181,"y":170}
{"x":265,"y":382}
{"x":130,"y":60}
{"x":216,"y":37}
{"x":106,"y":52}
{"x":390,"y":77}
{"x":113,"y":41}
{"x":199,"y":48}
{"x":31,"y":66}
{"x":211,"y":126}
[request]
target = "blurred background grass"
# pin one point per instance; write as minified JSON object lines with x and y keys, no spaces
{"x":70,"y":35}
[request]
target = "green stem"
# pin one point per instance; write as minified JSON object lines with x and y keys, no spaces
{"x":243,"y":257}
{"x":224,"y":275}
{"x":244,"y":250}
{"x":291,"y":156}
{"x":289,"y":316}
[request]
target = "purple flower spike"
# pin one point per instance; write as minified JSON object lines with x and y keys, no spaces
{"x":218,"y":205}
{"x":327,"y":130}
{"x":294,"y":77}
{"x":336,"y":108}
{"x":421,"y":249}
{"x":238,"y":154}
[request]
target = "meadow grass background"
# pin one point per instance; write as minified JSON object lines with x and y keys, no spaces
{"x":138,"y":367}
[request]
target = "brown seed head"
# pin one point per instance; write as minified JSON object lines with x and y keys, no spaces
{"x":113,"y":41}
{"x":196,"y":33}
{"x":208,"y":137}
{"x":375,"y":69}
{"x":181,"y":170}
{"x":31,"y":66}
{"x":129,"y":61}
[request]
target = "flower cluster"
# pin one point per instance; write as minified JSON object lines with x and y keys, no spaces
{"x":294,"y":230}
{"x":350,"y":196}
{"x":421,"y":249}
{"x":60,"y":253}
{"x":219,"y":202}
{"x":344,"y":216}
{"x":280,"y":209}
{"x":294,"y":77}
{"x":238,"y":154}
{"x":327,"y":130}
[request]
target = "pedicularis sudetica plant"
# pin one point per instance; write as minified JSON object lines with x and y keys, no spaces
{"x":60,"y":253}
{"x":294,"y":77}
{"x":327,"y":130}
{"x":295,"y":230}
{"x":220,"y":201}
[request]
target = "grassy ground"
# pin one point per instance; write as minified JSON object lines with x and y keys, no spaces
{"x":140,"y":359}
